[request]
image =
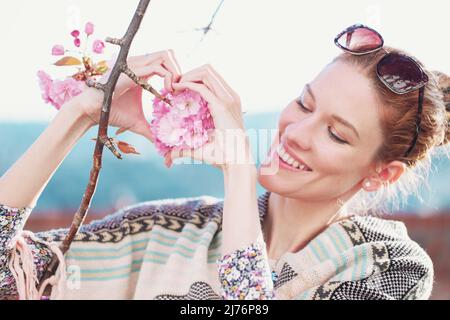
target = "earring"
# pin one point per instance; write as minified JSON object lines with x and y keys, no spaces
{"x":378,"y":168}
{"x":367,"y":184}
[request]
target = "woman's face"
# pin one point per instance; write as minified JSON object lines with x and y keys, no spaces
{"x":340,"y":156}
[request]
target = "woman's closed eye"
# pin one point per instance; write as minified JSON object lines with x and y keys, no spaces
{"x":332,"y":136}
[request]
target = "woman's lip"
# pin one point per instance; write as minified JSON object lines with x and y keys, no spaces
{"x":287,"y":166}
{"x":292,"y":155}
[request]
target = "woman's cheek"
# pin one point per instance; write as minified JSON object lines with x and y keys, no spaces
{"x":335,"y":161}
{"x":329,"y":158}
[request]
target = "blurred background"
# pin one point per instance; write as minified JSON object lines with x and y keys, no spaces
{"x":265,"y":50}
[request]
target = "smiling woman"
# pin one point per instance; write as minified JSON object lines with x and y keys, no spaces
{"x":359,"y":137}
{"x":362,"y":126}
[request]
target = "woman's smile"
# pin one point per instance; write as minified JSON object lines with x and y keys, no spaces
{"x":281,"y":159}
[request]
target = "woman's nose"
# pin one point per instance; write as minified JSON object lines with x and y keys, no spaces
{"x":298,"y":135}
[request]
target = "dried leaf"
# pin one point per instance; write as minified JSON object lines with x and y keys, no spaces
{"x":126,"y":148}
{"x":101,"y":67}
{"x":67,"y":61}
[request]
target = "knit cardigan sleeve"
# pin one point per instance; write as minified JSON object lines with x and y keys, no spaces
{"x":12,"y":221}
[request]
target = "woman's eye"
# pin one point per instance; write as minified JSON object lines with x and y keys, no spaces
{"x":336,"y":138}
{"x":302,"y":106}
{"x":332,"y":136}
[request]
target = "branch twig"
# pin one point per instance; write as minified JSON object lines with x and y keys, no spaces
{"x":209,"y":26}
{"x":102,"y":138}
{"x":144,"y":85}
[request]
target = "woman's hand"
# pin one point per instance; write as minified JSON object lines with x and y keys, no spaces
{"x":240,"y":221}
{"x":126,"y":109}
{"x":225,"y":107}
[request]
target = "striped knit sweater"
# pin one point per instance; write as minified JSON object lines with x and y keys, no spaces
{"x":170,"y":249}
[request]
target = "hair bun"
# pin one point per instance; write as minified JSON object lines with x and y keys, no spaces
{"x":443,"y":81}
{"x":444,"y":86}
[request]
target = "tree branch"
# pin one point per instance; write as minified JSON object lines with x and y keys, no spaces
{"x":144,"y":85}
{"x":119,"y":42}
{"x":102,"y":137}
{"x":209,"y":26}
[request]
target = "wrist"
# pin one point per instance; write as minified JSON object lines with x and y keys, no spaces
{"x":240,"y":174}
{"x":238,"y":158}
{"x":77,"y":113}
{"x":246,"y":170}
{"x":76,"y":107}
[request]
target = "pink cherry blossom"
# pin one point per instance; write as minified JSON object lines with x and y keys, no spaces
{"x":57,"y":50}
{"x":98,"y":46}
{"x":75,"y":33}
{"x":184,"y":125}
{"x":77,"y":42}
{"x":89,"y":28}
{"x":169,"y":131}
{"x":58,"y":92}
{"x":45,"y":83}
{"x":63,"y":91}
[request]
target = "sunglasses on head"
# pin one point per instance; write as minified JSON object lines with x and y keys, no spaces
{"x":400,"y":73}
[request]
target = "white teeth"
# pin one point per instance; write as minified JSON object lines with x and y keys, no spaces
{"x":288,"y":159}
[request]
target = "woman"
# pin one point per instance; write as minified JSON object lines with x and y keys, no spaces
{"x":312,"y":235}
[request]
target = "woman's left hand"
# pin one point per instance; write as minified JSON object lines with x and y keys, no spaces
{"x":225,"y":108}
{"x":240,"y":218}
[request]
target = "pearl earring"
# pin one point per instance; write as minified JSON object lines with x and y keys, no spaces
{"x":367,"y":184}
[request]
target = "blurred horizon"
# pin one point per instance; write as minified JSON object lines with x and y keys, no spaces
{"x":137,"y":178}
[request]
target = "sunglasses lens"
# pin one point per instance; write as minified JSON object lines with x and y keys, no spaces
{"x":360,"y":40}
{"x":401,"y":73}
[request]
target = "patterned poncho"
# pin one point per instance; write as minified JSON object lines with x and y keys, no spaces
{"x":170,"y":249}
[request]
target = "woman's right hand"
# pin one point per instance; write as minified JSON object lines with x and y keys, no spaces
{"x":126,"y":108}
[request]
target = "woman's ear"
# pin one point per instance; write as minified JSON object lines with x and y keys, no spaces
{"x":385,"y":174}
{"x":392,"y":172}
{"x":388,"y":173}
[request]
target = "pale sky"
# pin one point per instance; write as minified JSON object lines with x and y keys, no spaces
{"x":265,"y":50}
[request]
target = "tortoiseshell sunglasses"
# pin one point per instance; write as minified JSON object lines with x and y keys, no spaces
{"x":400,"y":73}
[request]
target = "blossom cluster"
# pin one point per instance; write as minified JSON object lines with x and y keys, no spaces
{"x":57,"y":91}
{"x":185,"y":124}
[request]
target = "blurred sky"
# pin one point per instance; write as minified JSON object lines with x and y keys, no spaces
{"x":266,"y":50}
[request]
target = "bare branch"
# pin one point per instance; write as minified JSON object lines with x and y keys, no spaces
{"x":209,"y":26}
{"x":144,"y":85}
{"x":94,"y":84}
{"x":108,"y":143}
{"x":102,"y":136}
{"x":118,"y":42}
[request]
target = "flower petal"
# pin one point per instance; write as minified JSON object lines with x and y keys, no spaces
{"x":75,"y":33}
{"x":89,"y":28}
{"x":57,"y":50}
